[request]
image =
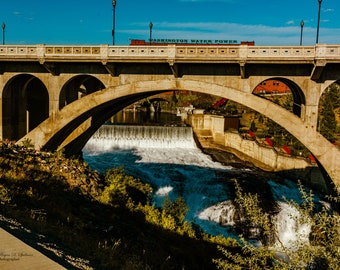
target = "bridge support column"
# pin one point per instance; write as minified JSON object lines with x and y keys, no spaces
{"x":310,"y":115}
{"x":54,"y":85}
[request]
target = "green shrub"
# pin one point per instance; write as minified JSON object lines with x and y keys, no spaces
{"x":122,"y":188}
{"x":4,"y":195}
{"x":323,"y":251}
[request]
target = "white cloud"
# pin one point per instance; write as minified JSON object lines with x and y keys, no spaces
{"x":328,"y":10}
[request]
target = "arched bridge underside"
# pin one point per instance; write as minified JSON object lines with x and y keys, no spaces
{"x":74,"y":124}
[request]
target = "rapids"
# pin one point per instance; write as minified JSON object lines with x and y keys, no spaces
{"x":168,"y":159}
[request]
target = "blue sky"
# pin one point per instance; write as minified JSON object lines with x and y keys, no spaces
{"x":270,"y":22}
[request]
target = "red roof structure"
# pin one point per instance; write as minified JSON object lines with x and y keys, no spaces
{"x":271,"y":87}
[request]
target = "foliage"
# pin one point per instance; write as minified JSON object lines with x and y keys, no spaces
{"x":323,"y":251}
{"x":250,"y":214}
{"x":61,"y":198}
{"x":122,"y":188}
{"x":114,"y":225}
{"x":4,"y":195}
{"x":253,"y":126}
{"x":27,"y":143}
{"x":128,"y":191}
{"x":251,"y":257}
{"x":329,"y":102}
{"x":230,"y":107}
{"x":171,"y":218}
{"x":177,"y":208}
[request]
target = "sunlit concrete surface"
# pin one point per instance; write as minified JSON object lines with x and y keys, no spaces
{"x":15,"y":254}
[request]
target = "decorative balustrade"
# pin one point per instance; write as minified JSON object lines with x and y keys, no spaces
{"x":180,"y":52}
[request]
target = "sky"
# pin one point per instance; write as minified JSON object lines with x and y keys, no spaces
{"x":85,"y":22}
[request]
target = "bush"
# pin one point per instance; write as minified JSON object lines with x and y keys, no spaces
{"x":323,"y":251}
{"x":122,"y":188}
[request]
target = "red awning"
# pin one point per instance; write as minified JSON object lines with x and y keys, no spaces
{"x":311,"y":157}
{"x":268,"y":141}
{"x":286,"y":149}
{"x":251,"y":134}
{"x":220,"y":103}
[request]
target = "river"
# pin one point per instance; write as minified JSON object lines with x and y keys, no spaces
{"x":168,"y":158}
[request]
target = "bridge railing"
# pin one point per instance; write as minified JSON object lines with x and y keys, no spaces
{"x":180,"y":52}
{"x":269,"y":51}
{"x":18,"y":51}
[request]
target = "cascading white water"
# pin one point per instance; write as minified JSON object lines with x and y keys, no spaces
{"x":131,"y":136}
{"x":168,"y":159}
{"x":221,"y":213}
{"x":290,"y":229}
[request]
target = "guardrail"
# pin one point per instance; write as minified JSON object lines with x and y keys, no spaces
{"x":213,"y":52}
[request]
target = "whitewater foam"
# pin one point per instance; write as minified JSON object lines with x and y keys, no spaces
{"x":221,"y":213}
{"x":164,"y":191}
{"x":108,"y":137}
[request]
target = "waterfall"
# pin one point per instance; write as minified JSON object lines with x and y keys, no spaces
{"x":290,"y":230}
{"x":168,"y":159}
{"x":221,"y":213}
{"x":108,"y":137}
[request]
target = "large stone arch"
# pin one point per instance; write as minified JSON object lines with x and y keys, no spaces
{"x":25,"y":104}
{"x":95,"y":108}
{"x":77,"y":87}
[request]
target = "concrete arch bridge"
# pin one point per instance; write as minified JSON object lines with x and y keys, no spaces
{"x":58,"y":96}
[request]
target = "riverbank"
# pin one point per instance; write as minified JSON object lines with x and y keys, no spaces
{"x":310,"y":176}
{"x":52,"y":204}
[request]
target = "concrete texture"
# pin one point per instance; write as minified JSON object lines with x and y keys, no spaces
{"x":15,"y":254}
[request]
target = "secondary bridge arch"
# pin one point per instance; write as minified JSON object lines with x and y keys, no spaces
{"x":25,"y":105}
{"x":299,"y":99}
{"x":74,"y":124}
{"x":77,"y":87}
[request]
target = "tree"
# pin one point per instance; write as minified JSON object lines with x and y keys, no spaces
{"x":178,"y":208}
{"x":122,"y":189}
{"x":328,"y":103}
{"x":253,"y":126}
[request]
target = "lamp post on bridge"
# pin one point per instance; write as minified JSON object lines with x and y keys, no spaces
{"x":150,"y":26}
{"x":302,"y":23}
{"x":3,"y":33}
{"x":114,"y":2}
{"x":317,"y":30}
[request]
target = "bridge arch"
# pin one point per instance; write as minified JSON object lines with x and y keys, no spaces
{"x":78,"y":87}
{"x":25,"y":104}
{"x":299,"y":99}
{"x":97,"y":107}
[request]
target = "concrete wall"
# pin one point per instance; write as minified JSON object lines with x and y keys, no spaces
{"x":209,"y":129}
{"x":215,"y":126}
{"x":267,"y":155}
